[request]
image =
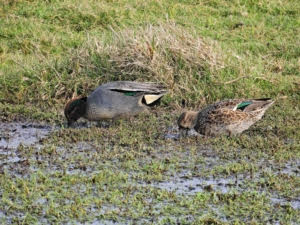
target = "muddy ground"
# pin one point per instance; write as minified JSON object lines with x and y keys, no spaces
{"x":49,"y":174}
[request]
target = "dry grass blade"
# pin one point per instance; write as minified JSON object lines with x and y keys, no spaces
{"x":166,"y":53}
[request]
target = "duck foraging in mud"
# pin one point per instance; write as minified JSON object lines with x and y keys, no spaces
{"x":228,"y":117}
{"x":113,"y":100}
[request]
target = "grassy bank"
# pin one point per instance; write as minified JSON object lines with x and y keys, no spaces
{"x":128,"y":171}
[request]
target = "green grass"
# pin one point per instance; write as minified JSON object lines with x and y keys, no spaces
{"x":203,"y":51}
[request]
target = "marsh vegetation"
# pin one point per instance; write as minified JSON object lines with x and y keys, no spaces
{"x":136,"y":171}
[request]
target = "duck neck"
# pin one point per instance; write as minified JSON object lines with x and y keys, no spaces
{"x":193,"y":115}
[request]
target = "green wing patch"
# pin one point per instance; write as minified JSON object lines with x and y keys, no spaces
{"x":243,"y":105}
{"x":130,"y":93}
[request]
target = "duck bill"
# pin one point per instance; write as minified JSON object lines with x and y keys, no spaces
{"x":183,"y":132}
{"x":70,"y":123}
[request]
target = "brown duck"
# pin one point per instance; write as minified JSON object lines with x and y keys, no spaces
{"x":228,"y":117}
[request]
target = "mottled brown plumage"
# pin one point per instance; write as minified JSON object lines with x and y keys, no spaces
{"x":226,"y":117}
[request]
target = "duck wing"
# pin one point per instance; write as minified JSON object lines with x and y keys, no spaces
{"x":233,"y":110}
{"x":254,"y":105}
{"x":259,"y":105}
{"x":226,"y":116}
{"x":132,"y":86}
{"x":229,"y":104}
{"x":150,"y":91}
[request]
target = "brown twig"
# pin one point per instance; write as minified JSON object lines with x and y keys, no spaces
{"x":235,"y":80}
{"x":269,"y":80}
{"x":243,"y":77}
{"x":232,"y":81}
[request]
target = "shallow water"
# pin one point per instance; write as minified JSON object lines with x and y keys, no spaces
{"x":187,"y":185}
{"x":14,"y":134}
{"x":291,"y":168}
{"x":174,"y":134}
{"x":294,"y":203}
{"x":186,"y":178}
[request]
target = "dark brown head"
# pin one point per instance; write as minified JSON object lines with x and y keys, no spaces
{"x":187,"y":120}
{"x":75,"y":109}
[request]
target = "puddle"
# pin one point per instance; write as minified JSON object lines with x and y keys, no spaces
{"x":191,"y":185}
{"x":99,"y":220}
{"x":14,"y":134}
{"x":102,"y":222}
{"x":291,"y":168}
{"x":8,"y":218}
{"x":174,"y":134}
{"x":294,"y":203}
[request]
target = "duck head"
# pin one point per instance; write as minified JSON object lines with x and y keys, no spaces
{"x":187,"y":121}
{"x":75,"y":109}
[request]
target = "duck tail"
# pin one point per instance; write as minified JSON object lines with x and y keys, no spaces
{"x":261,"y":104}
{"x":152,"y":99}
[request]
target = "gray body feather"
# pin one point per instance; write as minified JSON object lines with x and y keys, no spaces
{"x":110,"y":101}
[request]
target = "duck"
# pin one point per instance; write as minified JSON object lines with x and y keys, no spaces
{"x":114,"y":100}
{"x":227,"y":117}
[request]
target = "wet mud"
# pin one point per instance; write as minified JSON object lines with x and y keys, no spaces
{"x":14,"y":134}
{"x":23,"y":152}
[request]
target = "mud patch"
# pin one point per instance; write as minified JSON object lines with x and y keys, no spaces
{"x":291,"y":168}
{"x":14,"y":134}
{"x":174,"y":133}
{"x":190,"y":185}
{"x":101,"y":222}
{"x":294,"y":203}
